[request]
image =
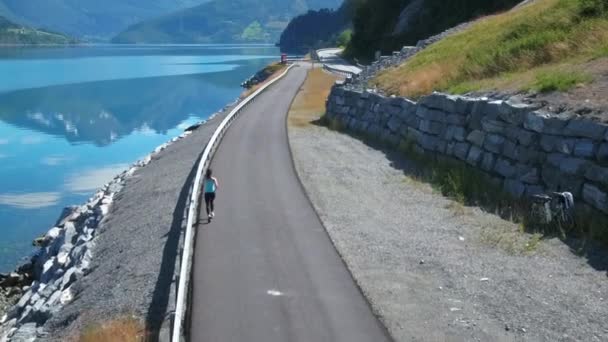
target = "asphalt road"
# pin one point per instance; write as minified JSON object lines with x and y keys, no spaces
{"x":332,"y":59}
{"x":265,"y":269}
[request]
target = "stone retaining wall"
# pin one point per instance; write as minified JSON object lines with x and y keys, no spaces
{"x":527,"y":150}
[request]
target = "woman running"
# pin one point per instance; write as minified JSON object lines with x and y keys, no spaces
{"x":210,"y":186}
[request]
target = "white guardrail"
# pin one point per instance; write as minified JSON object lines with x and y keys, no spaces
{"x":341,"y":72}
{"x":187,"y":254}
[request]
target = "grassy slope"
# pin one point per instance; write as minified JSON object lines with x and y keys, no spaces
{"x":544,"y":45}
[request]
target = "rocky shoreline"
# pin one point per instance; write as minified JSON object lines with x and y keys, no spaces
{"x":64,"y":256}
{"x":40,"y":288}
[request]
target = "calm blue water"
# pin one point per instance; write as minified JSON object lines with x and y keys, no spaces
{"x":72,"y":118}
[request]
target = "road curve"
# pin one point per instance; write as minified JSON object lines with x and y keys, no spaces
{"x":331,"y":58}
{"x":265,"y":269}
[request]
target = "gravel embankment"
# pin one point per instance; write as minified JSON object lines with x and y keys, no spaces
{"x":436,"y":271}
{"x":5,"y":302}
{"x":136,"y":255}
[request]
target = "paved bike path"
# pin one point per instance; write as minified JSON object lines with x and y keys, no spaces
{"x":265,"y":269}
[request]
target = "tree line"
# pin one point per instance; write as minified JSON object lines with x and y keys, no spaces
{"x":373,"y":24}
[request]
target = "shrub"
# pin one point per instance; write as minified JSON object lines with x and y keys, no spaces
{"x":593,"y":8}
{"x":344,"y":38}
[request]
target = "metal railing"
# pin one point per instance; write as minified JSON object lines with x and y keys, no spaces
{"x":340,"y":72}
{"x":183,"y":290}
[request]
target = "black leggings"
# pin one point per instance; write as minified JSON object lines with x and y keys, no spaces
{"x":209,"y":198}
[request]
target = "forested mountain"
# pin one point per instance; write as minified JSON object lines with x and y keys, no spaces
{"x":11,"y":33}
{"x":88,"y":18}
{"x":388,"y":25}
{"x":385,"y":25}
{"x":223,"y":21}
{"x":318,"y":29}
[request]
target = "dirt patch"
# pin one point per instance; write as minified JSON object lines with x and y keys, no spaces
{"x":436,"y":270}
{"x":309,"y":104}
{"x":588,"y":100}
{"x":123,"y":330}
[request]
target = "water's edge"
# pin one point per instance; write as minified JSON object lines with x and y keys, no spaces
{"x":41,"y":286}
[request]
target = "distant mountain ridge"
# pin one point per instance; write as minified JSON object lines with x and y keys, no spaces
{"x":223,"y":21}
{"x":11,"y":33}
{"x":88,"y":18}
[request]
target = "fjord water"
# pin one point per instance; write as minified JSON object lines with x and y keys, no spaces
{"x":73,"y":118}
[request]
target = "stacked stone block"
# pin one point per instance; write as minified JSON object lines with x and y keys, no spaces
{"x":527,"y":150}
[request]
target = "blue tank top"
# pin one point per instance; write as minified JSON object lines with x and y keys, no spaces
{"x":209,"y":186}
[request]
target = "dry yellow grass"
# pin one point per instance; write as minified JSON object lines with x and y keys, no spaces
{"x":458,"y":209}
{"x":309,"y":104}
{"x":122,"y":330}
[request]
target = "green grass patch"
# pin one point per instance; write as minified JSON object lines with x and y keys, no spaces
{"x":503,"y":237}
{"x":601,"y":51}
{"x":465,"y":87}
{"x":461,"y":182}
{"x":559,"y":81}
{"x":544,"y":33}
{"x":532,"y":244}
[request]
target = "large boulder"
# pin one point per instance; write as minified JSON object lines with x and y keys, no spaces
{"x":568,"y":165}
{"x":504,"y":168}
{"x":431,"y":127}
{"x":584,"y":148}
{"x":514,"y":112}
{"x":602,"y":153}
{"x":514,"y":188}
{"x":494,"y":143}
{"x":585,"y":129}
{"x":487,"y":162}
{"x":474,"y":156}
{"x":493,"y":126}
{"x":596,"y":197}
{"x":598,"y":174}
{"x":522,"y":136}
{"x":476,"y":137}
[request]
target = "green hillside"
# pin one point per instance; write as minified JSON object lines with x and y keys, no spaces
{"x":382,"y":25}
{"x":222,"y":21}
{"x":11,"y":33}
{"x":88,"y":18}
{"x":376,"y":21}
{"x":547,"y":45}
{"x":319,"y":29}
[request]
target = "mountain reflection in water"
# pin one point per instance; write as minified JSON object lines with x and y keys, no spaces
{"x":102,"y":112}
{"x":71,"y":119}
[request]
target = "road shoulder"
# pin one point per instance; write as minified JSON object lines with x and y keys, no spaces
{"x":432,"y":268}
